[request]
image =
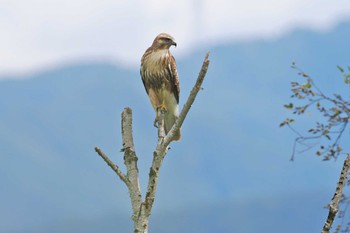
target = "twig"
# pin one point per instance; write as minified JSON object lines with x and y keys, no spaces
{"x":334,"y":205}
{"x":114,"y":167}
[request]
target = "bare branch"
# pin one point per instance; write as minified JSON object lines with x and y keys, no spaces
{"x":114,"y":167}
{"x":128,"y":141}
{"x":162,"y":146}
{"x":142,"y":209}
{"x":334,"y":205}
{"x":130,"y":161}
{"x":190,"y":100}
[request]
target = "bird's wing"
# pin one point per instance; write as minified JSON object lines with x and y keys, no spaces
{"x":173,"y":77}
{"x":142,"y":70}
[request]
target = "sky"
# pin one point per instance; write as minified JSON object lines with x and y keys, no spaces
{"x":40,"y":34}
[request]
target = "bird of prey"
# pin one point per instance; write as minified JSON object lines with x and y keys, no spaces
{"x":160,"y":78}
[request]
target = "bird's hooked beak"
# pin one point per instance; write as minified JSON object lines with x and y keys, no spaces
{"x":173,"y":43}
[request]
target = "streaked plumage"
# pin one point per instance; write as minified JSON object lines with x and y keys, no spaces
{"x":160,"y":78}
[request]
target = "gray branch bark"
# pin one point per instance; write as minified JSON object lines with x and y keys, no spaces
{"x":142,"y":208}
{"x":334,"y":205}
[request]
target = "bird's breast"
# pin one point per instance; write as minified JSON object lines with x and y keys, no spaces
{"x":155,"y":69}
{"x":155,"y":62}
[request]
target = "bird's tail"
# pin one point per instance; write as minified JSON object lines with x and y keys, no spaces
{"x":169,"y":121}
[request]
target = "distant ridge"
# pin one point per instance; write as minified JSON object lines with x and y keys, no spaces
{"x":232,"y":151}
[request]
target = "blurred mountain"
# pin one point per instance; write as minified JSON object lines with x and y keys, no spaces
{"x":259,"y":215}
{"x":230,"y":173}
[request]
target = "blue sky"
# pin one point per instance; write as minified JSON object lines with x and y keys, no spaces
{"x":249,"y":93}
{"x":39,"y":34}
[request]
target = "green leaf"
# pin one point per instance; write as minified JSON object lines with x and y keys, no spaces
{"x":289,"y":106}
{"x":347,"y":78}
{"x":341,"y":69}
{"x":289,"y":120}
{"x":307,"y":85}
{"x":286,"y":121}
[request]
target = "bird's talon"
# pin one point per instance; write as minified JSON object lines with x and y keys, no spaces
{"x":155,"y":123}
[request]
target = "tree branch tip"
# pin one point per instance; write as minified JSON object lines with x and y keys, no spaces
{"x":207,"y":55}
{"x":127,"y":110}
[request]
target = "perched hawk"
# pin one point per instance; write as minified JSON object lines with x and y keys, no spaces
{"x":159,"y":76}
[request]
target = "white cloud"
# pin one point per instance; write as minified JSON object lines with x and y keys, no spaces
{"x":269,"y":18}
{"x":40,"y":33}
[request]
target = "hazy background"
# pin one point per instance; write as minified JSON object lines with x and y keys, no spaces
{"x":69,"y":68}
{"x":39,"y":33}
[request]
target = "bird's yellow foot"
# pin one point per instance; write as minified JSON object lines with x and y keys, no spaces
{"x":162,"y":109}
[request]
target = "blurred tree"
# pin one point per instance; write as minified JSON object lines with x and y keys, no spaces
{"x":325,"y":134}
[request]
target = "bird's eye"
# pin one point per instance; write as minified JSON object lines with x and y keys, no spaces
{"x":167,"y":39}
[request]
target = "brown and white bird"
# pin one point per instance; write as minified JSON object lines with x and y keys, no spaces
{"x":160,"y":78}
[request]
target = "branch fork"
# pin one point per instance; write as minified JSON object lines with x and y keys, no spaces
{"x":142,"y":208}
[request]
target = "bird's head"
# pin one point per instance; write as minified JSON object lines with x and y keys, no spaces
{"x":163,"y":41}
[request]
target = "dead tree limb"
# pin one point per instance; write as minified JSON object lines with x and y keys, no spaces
{"x":334,"y":205}
{"x":142,"y":208}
